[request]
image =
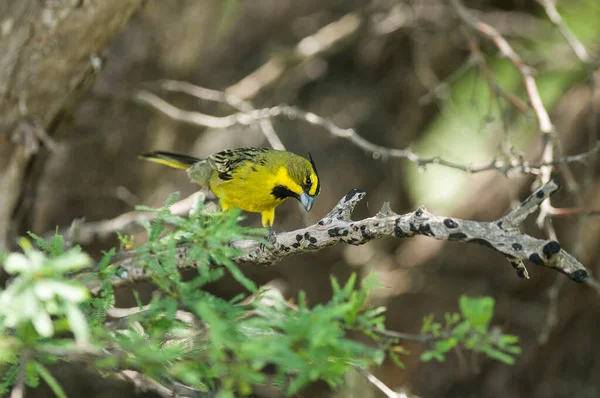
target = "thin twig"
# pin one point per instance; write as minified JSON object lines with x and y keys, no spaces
{"x":18,"y":390}
{"x":225,"y":98}
{"x":326,"y":40}
{"x":552,"y":312}
{"x":73,"y":233}
{"x":145,"y":383}
{"x":382,"y":386}
{"x":580,"y":51}
{"x":350,"y":134}
{"x":419,"y":338}
{"x":544,"y":123}
{"x":576,"y":45}
{"x":487,"y":73}
{"x":573,"y":211}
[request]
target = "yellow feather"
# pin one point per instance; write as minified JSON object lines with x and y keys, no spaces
{"x":282,"y":177}
{"x":251,"y":179}
{"x":170,"y":163}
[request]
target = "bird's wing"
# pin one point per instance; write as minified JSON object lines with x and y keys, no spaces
{"x":226,"y":162}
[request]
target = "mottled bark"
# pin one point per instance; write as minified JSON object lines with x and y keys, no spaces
{"x":336,"y":227}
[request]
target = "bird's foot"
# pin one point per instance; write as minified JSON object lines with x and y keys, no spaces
{"x":271,"y":239}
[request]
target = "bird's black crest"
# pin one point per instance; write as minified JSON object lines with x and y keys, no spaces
{"x":314,"y":166}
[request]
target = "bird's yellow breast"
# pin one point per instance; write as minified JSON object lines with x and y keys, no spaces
{"x":251,"y":186}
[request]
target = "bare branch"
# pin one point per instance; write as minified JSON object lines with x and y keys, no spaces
{"x":552,"y":312}
{"x":350,"y":134}
{"x":580,"y":51}
{"x":337,"y":227}
{"x":325,"y":40}
{"x":383,"y":387}
{"x":229,"y":99}
{"x":577,"y":47}
{"x":145,"y":383}
{"x":18,"y":390}
{"x":544,"y":123}
{"x":573,"y":211}
{"x":487,"y":73}
{"x":73,"y":233}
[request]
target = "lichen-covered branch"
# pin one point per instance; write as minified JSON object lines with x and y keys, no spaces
{"x":501,"y":235}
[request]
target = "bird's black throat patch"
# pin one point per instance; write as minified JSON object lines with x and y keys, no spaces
{"x":281,"y":192}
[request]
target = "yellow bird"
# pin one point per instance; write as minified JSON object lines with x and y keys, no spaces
{"x":252,"y":179}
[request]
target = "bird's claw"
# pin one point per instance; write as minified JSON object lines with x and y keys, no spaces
{"x":271,"y":239}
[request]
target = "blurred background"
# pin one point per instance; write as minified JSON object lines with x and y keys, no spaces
{"x":402,"y":74}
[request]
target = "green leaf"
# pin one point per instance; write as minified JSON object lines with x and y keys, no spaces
{"x":508,"y":339}
{"x":478,"y":311}
{"x":444,"y":346}
{"x":171,"y":200}
{"x":349,"y":286}
{"x":50,"y":380}
{"x":429,"y":355}
{"x":9,"y":347}
{"x":106,"y":258}
{"x":41,"y":242}
{"x":500,"y":356}
{"x":396,"y":359}
{"x":9,"y":377}
{"x":239,"y":276}
{"x":302,"y":301}
{"x":57,"y":244}
{"x":70,"y":261}
{"x":335,"y":285}
{"x":32,"y":376}
{"x":427,"y":324}
{"x":461,"y":330}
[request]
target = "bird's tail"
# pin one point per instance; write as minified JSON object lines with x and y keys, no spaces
{"x":176,"y":160}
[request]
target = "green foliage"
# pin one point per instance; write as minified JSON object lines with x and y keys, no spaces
{"x":96,"y":307}
{"x":54,"y":248}
{"x":470,"y":329}
{"x":9,"y":377}
{"x":126,"y":241}
{"x":41,"y":370}
{"x":188,"y":335}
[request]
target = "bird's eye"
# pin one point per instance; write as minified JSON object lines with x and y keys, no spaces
{"x":308,"y":182}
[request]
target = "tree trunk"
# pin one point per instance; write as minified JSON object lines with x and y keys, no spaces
{"x":49,"y":53}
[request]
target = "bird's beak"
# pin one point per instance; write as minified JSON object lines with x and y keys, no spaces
{"x":307,"y":201}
